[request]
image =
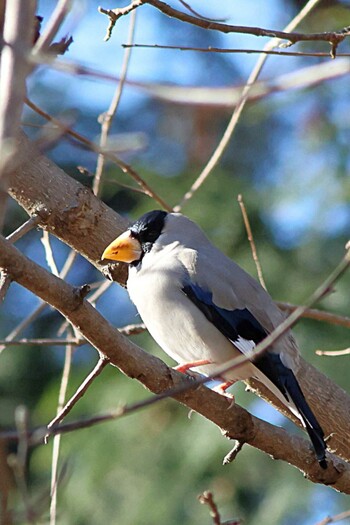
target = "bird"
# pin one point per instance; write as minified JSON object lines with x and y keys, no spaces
{"x":203,"y":309}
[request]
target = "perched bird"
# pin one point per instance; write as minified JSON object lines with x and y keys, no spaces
{"x":203,"y":309}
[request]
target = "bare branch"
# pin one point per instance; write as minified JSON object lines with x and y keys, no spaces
{"x":57,"y":18}
{"x":334,"y":37}
{"x":107,"y":118}
{"x":132,"y":329}
{"x":221,"y":147}
{"x":18,"y":34}
{"x":195,"y":13}
{"x":64,"y":410}
{"x":24,"y":229}
{"x":231,"y":456}
{"x":251,"y":241}
{"x":318,"y":315}
{"x":45,"y":240}
{"x":334,"y":519}
{"x":236,"y":51}
{"x":333,"y":353}
{"x":57,"y":438}
{"x":156,"y":376}
{"x":18,"y":462}
{"x":207,"y":499}
{"x":42,"y":342}
{"x":5,"y":281}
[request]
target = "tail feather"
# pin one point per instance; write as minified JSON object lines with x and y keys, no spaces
{"x":284,"y":379}
{"x":308,"y":418}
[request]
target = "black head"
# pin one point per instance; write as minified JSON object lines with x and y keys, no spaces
{"x":148,"y":228}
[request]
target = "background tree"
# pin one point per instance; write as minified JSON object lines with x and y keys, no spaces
{"x":141,"y":127}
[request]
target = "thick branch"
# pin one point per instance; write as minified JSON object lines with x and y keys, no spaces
{"x":155,"y":375}
{"x":14,"y":68}
{"x":86,"y":224}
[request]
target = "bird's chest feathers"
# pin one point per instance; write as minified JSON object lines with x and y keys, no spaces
{"x":161,"y":275}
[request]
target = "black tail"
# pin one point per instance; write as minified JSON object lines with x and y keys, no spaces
{"x":284,"y":379}
{"x":311,"y":424}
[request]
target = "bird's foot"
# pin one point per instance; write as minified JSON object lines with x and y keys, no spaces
{"x":185,"y":367}
{"x":221,"y":389}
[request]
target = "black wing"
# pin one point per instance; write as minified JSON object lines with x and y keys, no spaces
{"x":240,"y":325}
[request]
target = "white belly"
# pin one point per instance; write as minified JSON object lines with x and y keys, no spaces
{"x":179,"y":327}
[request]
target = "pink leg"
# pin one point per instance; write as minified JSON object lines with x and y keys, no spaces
{"x":186,"y":366}
{"x":221,"y":389}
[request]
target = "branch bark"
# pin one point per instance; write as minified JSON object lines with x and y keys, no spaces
{"x":333,"y":37}
{"x":76,"y":216}
{"x":18,"y":34}
{"x":156,"y":376}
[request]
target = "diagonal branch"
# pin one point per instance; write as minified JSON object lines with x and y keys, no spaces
{"x":87,"y":225}
{"x":136,"y":363}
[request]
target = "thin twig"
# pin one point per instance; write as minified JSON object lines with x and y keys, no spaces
{"x":64,"y":410}
{"x":5,"y":281}
{"x":43,"y":342}
{"x":24,"y":228}
{"x":100,"y":290}
{"x":334,"y":353}
{"x":132,"y":329}
{"x":41,"y":307}
{"x":332,"y":519}
{"x":231,"y":456}
{"x":45,"y":240}
{"x":334,"y":37}
{"x":219,"y":151}
{"x":234,"y":51}
{"x":107,"y":118}
{"x":18,"y":462}
{"x":198,"y":15}
{"x":57,"y":18}
{"x":23,"y":324}
{"x":318,"y":315}
{"x":126,"y":168}
{"x":251,"y":241}
{"x":237,"y":362}
{"x":57,"y":439}
{"x":104,"y":286}
{"x":207,"y":499}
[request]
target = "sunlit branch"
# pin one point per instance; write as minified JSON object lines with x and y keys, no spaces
{"x":251,"y":241}
{"x":236,"y":51}
{"x":223,"y":143}
{"x":334,"y":353}
{"x":333,"y":37}
{"x":24,"y":228}
{"x":57,"y":18}
{"x":18,"y":32}
{"x":64,"y":410}
{"x":109,"y":115}
{"x":57,"y":439}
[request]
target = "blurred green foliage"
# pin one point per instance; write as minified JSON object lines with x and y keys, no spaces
{"x":289,"y":159}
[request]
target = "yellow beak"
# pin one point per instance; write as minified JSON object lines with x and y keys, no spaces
{"x":124,"y":248}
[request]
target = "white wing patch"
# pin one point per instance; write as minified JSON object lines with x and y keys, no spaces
{"x":244,"y":345}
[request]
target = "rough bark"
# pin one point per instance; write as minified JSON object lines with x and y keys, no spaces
{"x":236,"y":422}
{"x":71,"y":212}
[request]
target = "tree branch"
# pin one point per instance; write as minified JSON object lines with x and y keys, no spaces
{"x":332,"y":37}
{"x":155,"y":375}
{"x":18,"y":35}
{"x":81,"y":220}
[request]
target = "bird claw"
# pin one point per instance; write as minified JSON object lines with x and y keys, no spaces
{"x":221,"y":389}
